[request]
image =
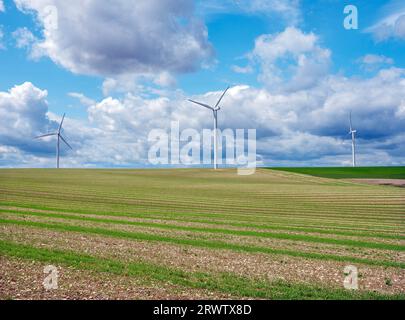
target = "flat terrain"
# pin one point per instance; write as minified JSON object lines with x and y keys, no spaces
{"x":351,"y":173}
{"x":186,"y":234}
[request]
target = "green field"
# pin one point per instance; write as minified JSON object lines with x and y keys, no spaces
{"x":350,"y":173}
{"x":151,"y":234}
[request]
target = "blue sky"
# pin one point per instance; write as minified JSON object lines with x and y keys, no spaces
{"x":294,"y":71}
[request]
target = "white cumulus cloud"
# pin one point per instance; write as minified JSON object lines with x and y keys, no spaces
{"x":111,"y":38}
{"x":23,"y":114}
{"x":391,"y":26}
{"x":292,"y":59}
{"x":304,"y":127}
{"x":82,"y":98}
{"x":376,"y":59}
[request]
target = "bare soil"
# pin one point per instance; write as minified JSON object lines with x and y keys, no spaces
{"x":213,"y":261}
{"x":383,"y":182}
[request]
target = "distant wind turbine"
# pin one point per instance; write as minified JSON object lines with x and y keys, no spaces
{"x":60,"y":137}
{"x":353,"y":133}
{"x":215,"y":110}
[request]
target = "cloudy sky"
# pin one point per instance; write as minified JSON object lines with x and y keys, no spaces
{"x":122,"y":68}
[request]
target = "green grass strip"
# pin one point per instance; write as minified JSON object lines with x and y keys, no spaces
{"x":233,"y":224}
{"x":282,"y":236}
{"x":348,"y":172}
{"x":180,"y":216}
{"x":201,"y":243}
{"x":304,"y":210}
{"x":222,"y":282}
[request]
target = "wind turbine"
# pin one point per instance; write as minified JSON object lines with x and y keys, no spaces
{"x":353,"y":133}
{"x":60,"y":137}
{"x":215,"y":110}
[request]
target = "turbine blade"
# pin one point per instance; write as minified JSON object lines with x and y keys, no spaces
{"x":61,"y":123}
{"x":350,"y":120}
{"x":202,"y":104}
{"x":46,"y":135}
{"x":220,"y":99}
{"x":65,"y":142}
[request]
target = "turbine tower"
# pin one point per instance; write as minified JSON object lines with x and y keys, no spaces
{"x":60,"y":137}
{"x":215,"y":110}
{"x":353,"y":133}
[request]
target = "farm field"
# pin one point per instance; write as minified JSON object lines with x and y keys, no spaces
{"x":351,"y":173}
{"x":198,"y":234}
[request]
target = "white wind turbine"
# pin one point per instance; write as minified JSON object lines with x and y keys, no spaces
{"x":353,"y":133}
{"x":215,"y":110}
{"x":60,"y":137}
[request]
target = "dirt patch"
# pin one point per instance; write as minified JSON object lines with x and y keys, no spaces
{"x":382,"y":182}
{"x":281,"y":244}
{"x":325,"y":248}
{"x":192,"y":259}
{"x":23,"y":280}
